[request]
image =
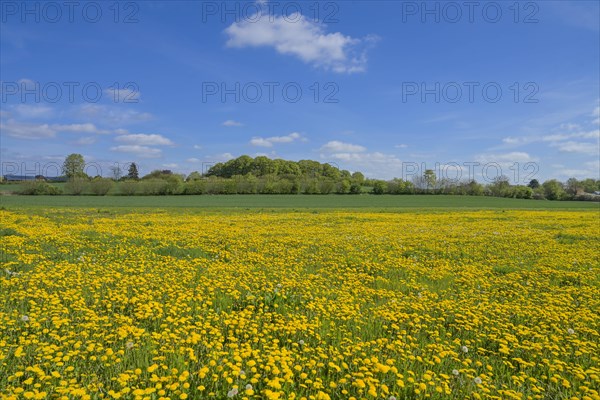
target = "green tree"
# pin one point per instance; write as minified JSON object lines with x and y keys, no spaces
{"x":534,"y":184}
{"x":430,"y":178}
{"x":194,"y":176}
{"x":358,"y":177}
{"x":500,"y":187}
{"x":553,"y":190}
{"x":379,"y":187}
{"x":132,"y":172}
{"x":73,"y":166}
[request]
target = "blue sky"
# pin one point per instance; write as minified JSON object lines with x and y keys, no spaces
{"x":373,"y":86}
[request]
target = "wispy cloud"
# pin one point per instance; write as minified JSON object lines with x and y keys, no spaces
{"x":143,"y":139}
{"x":124,"y":95}
{"x":112,"y":115}
{"x":23,"y":130}
{"x":231,"y":123}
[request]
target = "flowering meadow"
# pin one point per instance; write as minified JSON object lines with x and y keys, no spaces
{"x":157,"y":304}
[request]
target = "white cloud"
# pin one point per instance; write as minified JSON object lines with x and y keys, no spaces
{"x":578,"y":147}
{"x":336,"y":146}
{"x":268,"y":142}
{"x":27,"y":131}
{"x":113,"y":115}
{"x":124,"y":95}
{"x":506,"y":159}
{"x":298,"y":36}
{"x":23,"y":130}
{"x":83,"y":128}
{"x":171,"y":165}
{"x":32,"y":111}
{"x":140,"y":151}
{"x":143,"y":139}
{"x":401,"y":146}
{"x":231,"y":122}
{"x":197,"y":147}
{"x":193,"y":160}
{"x":221,"y":157}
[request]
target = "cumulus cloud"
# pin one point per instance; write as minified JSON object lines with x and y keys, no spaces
{"x":143,"y":139}
{"x":140,"y":151}
{"x":307,"y":40}
{"x":270,"y":141}
{"x":336,"y":146}
{"x":27,"y":131}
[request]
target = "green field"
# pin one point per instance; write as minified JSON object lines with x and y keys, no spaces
{"x":293,"y":201}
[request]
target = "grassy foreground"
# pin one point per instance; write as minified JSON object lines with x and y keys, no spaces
{"x":299,"y":305}
{"x":293,"y":201}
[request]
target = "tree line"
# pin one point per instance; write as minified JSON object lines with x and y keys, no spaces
{"x":262,"y":175}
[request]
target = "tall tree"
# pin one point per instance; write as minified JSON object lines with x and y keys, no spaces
{"x":132,"y":172}
{"x":73,"y":166}
{"x":534,"y":184}
{"x":430,"y":178}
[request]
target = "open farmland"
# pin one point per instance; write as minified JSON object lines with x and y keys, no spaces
{"x":289,"y":305}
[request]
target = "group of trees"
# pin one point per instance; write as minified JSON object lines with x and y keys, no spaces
{"x":261,"y":175}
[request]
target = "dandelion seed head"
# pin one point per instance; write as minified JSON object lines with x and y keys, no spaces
{"x":465,"y":349}
{"x":455,"y":372}
{"x":232,"y":392}
{"x":477,"y":381}
{"x":24,"y":318}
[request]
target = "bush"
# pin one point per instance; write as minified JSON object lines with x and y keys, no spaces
{"x":355,"y":188}
{"x":153,"y":187}
{"x":76,"y":186}
{"x":39,"y":188}
{"x":101,"y":186}
{"x":379,"y":187}
{"x":128,"y":188}
{"x":195,"y":187}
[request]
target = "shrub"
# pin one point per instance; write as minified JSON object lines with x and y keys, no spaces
{"x":128,"y":188}
{"x":379,"y":187}
{"x":39,"y":188}
{"x":195,"y":187}
{"x":101,"y":186}
{"x":76,"y":186}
